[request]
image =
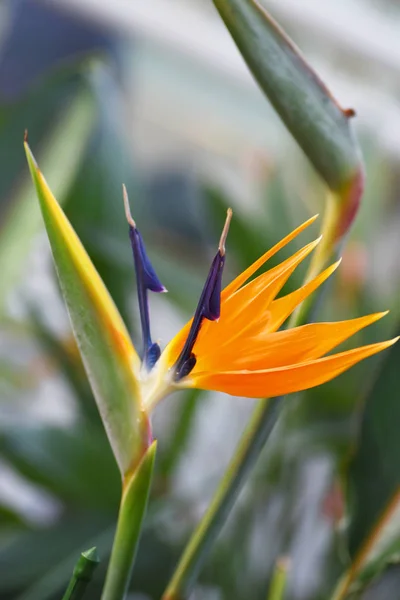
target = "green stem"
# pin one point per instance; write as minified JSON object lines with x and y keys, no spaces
{"x":256,"y":434}
{"x":132,"y":509}
{"x":82,"y":575}
{"x":279,"y":580}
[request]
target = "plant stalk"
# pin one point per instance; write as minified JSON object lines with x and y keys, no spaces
{"x":132,"y":509}
{"x":256,"y":434}
{"x":279,"y":579}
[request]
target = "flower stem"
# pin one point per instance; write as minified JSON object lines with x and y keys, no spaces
{"x":82,"y":575}
{"x":279,"y":580}
{"x":250,"y":445}
{"x":132,"y":509}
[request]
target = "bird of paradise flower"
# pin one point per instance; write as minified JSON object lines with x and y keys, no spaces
{"x":234,"y":343}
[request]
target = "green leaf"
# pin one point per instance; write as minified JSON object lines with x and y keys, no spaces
{"x":107,"y":351}
{"x":373,"y":479}
{"x":303,"y":102}
{"x":308,"y":109}
{"x":133,"y":507}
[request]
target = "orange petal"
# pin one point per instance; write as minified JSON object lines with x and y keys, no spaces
{"x":263,"y":289}
{"x":285,"y":348}
{"x":284,"y":380}
{"x":248,"y":306}
{"x":171,"y":352}
{"x":281,"y":308}
{"x":243,"y":277}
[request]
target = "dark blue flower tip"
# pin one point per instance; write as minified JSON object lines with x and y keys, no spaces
{"x":150,"y":279}
{"x":212,"y":296}
{"x":145,"y":273}
{"x":146,"y":279}
{"x":152,"y":355}
{"x":186,"y":367}
{"x":209,"y":306}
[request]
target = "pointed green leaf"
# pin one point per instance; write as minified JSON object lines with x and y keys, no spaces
{"x":317,"y":122}
{"x":133,"y":507}
{"x":107,"y":351}
{"x":373,"y":479}
{"x":304,"y":103}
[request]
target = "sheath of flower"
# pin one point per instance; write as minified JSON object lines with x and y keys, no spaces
{"x":233,"y":344}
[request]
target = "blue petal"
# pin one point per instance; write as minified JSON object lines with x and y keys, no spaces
{"x":209,"y":307}
{"x":153,"y":354}
{"x":150,"y":278}
{"x":212,"y":299}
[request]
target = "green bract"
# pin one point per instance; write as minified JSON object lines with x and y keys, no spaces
{"x":303,"y":102}
{"x":108,"y":354}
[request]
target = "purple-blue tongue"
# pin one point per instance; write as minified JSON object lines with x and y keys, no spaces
{"x":209,"y":306}
{"x":146,"y":279}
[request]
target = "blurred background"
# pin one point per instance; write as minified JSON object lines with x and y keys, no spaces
{"x":155,"y":94}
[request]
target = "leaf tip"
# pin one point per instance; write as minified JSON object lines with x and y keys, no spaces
{"x":31,"y":159}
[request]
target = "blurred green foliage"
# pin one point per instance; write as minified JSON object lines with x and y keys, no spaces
{"x":293,"y":504}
